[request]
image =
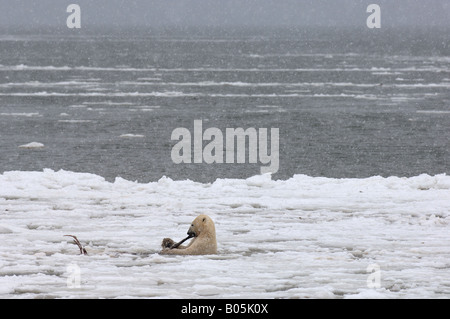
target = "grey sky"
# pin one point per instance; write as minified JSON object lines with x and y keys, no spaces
{"x":31,"y":13}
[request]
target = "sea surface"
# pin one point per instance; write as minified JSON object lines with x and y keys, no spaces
{"x":349,"y":103}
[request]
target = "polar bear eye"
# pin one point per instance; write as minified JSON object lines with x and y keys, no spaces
{"x":192,"y":225}
{"x":204,"y":218}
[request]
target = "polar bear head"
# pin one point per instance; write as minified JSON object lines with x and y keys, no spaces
{"x":202,"y":226}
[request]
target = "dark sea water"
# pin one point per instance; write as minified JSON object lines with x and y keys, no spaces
{"x":347,"y":102}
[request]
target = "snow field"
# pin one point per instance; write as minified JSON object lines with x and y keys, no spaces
{"x":306,"y":237}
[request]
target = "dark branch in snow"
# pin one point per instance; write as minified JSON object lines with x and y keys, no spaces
{"x":77,"y":242}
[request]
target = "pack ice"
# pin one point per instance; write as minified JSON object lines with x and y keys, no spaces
{"x":305,"y":237}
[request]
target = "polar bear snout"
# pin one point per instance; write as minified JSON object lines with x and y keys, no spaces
{"x":191,"y":233}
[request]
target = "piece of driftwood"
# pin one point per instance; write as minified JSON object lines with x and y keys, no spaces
{"x":77,"y":242}
{"x":179,"y":243}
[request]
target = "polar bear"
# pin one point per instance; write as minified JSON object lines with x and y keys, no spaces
{"x":203,"y":231}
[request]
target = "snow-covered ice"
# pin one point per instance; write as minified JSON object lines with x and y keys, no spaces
{"x":129,"y":135}
{"x":32,"y":145}
{"x":305,"y":237}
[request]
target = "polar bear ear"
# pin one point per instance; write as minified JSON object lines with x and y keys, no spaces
{"x":204,"y":219}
